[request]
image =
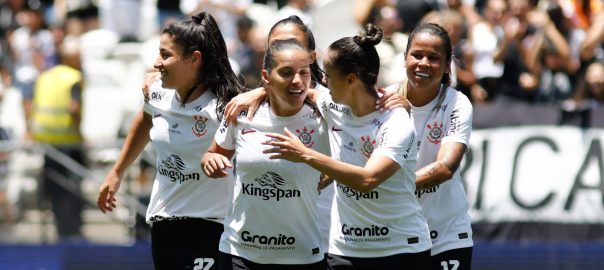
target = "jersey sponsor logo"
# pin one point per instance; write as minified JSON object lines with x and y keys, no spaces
{"x":174,"y":128}
{"x":246,"y":131}
{"x":223,"y":126}
{"x":436,"y":132}
{"x":172,"y":167}
{"x":335,"y":129}
{"x":305,"y":136}
{"x":199,"y":128}
{"x":453,"y":122}
{"x":357,"y":195}
{"x":367,"y":146}
{"x":406,"y":154}
{"x":376,"y":122}
{"x":198,"y":108}
{"x":155,"y":115}
{"x":273,"y":242}
{"x":373,"y":233}
{"x":423,"y":192}
{"x":158,"y":95}
{"x":271,"y":186}
{"x":374,"y":230}
{"x":339,"y":108}
{"x":350,"y":147}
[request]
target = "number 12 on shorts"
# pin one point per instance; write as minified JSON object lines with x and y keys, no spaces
{"x":450,"y":265}
{"x":203,"y":263}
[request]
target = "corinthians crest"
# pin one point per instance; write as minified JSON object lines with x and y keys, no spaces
{"x":436,"y":132}
{"x":199,"y":128}
{"x":367,"y":145}
{"x":305,"y":136}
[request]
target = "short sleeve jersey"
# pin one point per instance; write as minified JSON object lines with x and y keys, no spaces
{"x":445,"y":206}
{"x":180,"y":136}
{"x":274,"y":215}
{"x":386,"y":220}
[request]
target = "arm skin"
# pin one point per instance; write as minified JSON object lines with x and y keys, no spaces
{"x":364,"y":179}
{"x":216,"y":160}
{"x":251,"y":101}
{"x":135,"y":143}
{"x":447,"y":162}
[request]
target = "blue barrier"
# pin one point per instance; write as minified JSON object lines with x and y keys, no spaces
{"x":487,"y":256}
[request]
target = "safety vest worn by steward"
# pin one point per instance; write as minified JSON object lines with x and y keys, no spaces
{"x":51,"y":121}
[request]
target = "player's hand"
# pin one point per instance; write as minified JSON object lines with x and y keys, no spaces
{"x":390,"y":100}
{"x":214,"y":165}
{"x":245,"y":102}
{"x":286,"y":146}
{"x":150,"y":77}
{"x":106,"y":200}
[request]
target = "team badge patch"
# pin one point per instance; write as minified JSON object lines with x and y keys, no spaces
{"x":305,"y":136}
{"x":436,"y":132}
{"x":367,"y":146}
{"x":199,"y":128}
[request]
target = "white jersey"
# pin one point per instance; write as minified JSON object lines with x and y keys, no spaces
{"x":274,"y":215}
{"x":386,"y":220}
{"x":445,"y":206}
{"x":180,"y":136}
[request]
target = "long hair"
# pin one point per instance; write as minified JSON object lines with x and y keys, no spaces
{"x":358,"y":55}
{"x":316,"y":72}
{"x":201,"y":33}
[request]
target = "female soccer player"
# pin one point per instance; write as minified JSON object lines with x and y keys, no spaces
{"x":443,"y":121}
{"x":186,"y":208}
{"x":376,"y":221}
{"x":272,"y":223}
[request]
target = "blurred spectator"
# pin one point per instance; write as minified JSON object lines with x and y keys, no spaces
{"x":392,"y":48}
{"x":300,"y":8}
{"x":245,"y":55}
{"x":121,"y":17}
{"x":55,"y":121}
{"x":412,"y":11}
{"x":33,"y":51}
{"x":518,"y":82}
{"x":168,"y":11}
{"x":7,"y":214}
{"x":79,"y":16}
{"x":591,"y":48}
{"x":555,"y":61}
{"x":581,"y":12}
{"x":367,"y":11}
{"x":588,"y":95}
{"x":484,"y":37}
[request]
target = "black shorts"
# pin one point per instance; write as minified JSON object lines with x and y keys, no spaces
{"x":455,"y":259}
{"x":407,"y":261}
{"x":232,"y":262}
{"x":185,"y":244}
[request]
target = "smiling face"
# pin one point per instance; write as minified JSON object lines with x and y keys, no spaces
{"x":426,"y":61}
{"x":175,"y":68}
{"x":287,"y":82}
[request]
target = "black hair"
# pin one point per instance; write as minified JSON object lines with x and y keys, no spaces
{"x":358,"y":55}
{"x":268,"y":62}
{"x":316,"y":72}
{"x":201,"y":33}
{"x":439,"y":31}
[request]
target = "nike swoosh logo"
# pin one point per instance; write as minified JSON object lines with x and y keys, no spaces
{"x":246,"y":131}
{"x":333,"y":128}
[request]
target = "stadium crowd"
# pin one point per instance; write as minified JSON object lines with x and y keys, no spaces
{"x":536,"y":52}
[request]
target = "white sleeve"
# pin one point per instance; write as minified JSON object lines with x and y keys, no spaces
{"x":396,"y":138}
{"x":225,"y":135}
{"x":323,"y":100}
{"x":459,"y":121}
